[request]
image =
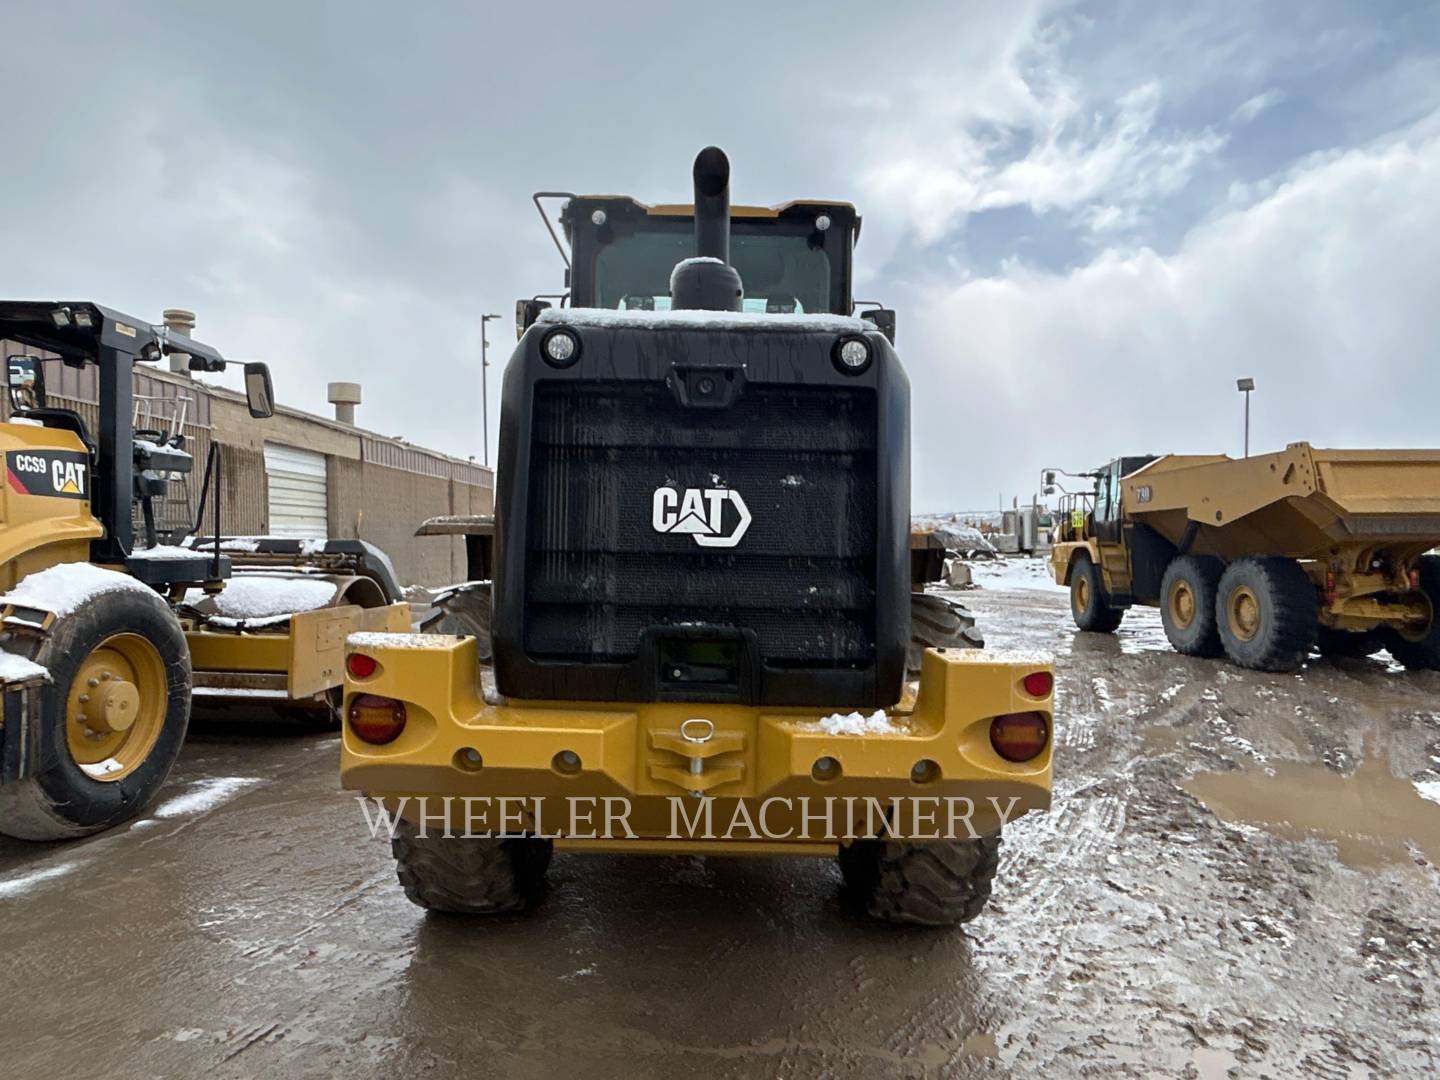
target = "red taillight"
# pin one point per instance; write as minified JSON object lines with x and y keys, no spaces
{"x":1038,"y":683}
{"x":1019,"y":736}
{"x":376,"y":720}
{"x":360,"y":666}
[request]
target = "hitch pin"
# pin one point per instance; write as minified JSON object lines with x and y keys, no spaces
{"x":697,"y":730}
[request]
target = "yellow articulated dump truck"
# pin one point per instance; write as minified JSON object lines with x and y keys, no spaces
{"x":702,"y":584}
{"x":1264,"y":558}
{"x":103,"y":628}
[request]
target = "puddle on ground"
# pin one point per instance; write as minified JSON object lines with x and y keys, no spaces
{"x":1369,"y":814}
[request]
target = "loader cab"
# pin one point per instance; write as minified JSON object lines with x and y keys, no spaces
{"x":794,"y":259}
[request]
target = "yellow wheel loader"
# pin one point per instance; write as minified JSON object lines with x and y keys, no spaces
{"x":102,"y":625}
{"x":699,"y":607}
{"x":1264,"y":558}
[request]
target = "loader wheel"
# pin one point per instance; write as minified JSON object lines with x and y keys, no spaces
{"x":1268,"y":613}
{"x":938,"y":623}
{"x":1187,"y":605}
{"x":1421,"y":651}
{"x":470,"y":875}
{"x":1345,"y":644}
{"x":1088,"y":603}
{"x":935,"y":883}
{"x":112,"y":718}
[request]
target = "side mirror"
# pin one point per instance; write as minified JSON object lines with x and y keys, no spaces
{"x":259,"y":391}
{"x":526,"y":312}
{"x":884,"y":320}
{"x":1049,"y":489}
{"x":1049,"y":478}
{"x":25,"y":380}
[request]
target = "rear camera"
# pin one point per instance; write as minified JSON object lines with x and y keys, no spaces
{"x":706,"y":386}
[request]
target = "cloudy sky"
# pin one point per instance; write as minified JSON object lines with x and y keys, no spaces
{"x":1091,"y":217}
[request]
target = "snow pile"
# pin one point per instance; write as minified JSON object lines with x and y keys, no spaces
{"x":372,"y":639}
{"x":1015,"y":574}
{"x":877,"y":723}
{"x":313,"y":547}
{"x":64,"y":588}
{"x":227,"y":543}
{"x":264,"y":596}
{"x":602,"y":318}
{"x":162,"y":552}
{"x":18,"y":669}
{"x":155,"y":448}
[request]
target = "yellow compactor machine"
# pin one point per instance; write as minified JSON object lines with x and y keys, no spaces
{"x":105,"y":630}
{"x":1263,"y":558}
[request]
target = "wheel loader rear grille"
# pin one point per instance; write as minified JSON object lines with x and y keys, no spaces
{"x":598,"y":574}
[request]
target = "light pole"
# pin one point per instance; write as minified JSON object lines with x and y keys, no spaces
{"x":485,"y":387}
{"x":1245,"y":386}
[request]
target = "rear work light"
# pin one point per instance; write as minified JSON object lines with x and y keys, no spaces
{"x":1037,"y":684}
{"x":360,"y":666}
{"x":376,"y":720}
{"x":1019,"y":736}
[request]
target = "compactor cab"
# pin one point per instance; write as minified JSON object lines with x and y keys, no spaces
{"x":93,"y":658}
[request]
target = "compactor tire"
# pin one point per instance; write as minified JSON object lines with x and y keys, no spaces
{"x":1089,"y":605}
{"x":1344,"y":644}
{"x":1422,"y":654}
{"x":470,"y":875}
{"x":1268,"y":613}
{"x":934,"y":883}
{"x":938,"y":623}
{"x":64,"y":801}
{"x":1189,"y":587}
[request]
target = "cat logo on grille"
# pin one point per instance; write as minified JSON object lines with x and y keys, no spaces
{"x":700,"y":513}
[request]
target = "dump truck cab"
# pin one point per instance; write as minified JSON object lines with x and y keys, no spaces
{"x":701,"y":594}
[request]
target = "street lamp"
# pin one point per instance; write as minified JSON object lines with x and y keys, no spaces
{"x":485,"y":387}
{"x":1245,"y":386}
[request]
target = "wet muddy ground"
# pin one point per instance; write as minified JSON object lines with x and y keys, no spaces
{"x":1239,"y":878}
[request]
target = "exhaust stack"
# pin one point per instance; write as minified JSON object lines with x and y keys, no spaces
{"x":708,"y":282}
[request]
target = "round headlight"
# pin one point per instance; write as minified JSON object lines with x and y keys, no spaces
{"x":561,"y":347}
{"x":822,"y":223}
{"x":598,"y":218}
{"x":852,"y":355}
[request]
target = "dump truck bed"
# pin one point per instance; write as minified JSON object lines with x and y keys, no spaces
{"x":1302,"y":502}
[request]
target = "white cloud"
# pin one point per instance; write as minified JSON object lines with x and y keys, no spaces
{"x":1323,"y":291}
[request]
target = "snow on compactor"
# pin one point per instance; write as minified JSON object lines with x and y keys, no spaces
{"x":701,"y":594}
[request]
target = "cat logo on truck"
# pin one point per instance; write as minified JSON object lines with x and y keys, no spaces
{"x":56,"y":473}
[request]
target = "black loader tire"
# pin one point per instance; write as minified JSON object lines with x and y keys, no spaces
{"x":938,"y":623}
{"x":1421,"y":653}
{"x":470,"y":875}
{"x":1187,"y":605}
{"x":1089,"y":606}
{"x":1267,"y":613}
{"x":1348,"y":645}
{"x":466,"y":611}
{"x":934,"y":883}
{"x":63,"y":800}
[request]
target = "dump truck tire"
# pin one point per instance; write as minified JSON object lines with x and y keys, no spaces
{"x":938,"y":623}
{"x":1088,"y":603}
{"x":1421,"y":654}
{"x":1187,"y":605}
{"x":937,"y":883}
{"x":1267,"y":613}
{"x":1344,"y":644}
{"x":123,"y":639}
{"x":470,"y":875}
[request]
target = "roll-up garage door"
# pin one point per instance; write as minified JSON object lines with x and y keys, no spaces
{"x":298,"y":496}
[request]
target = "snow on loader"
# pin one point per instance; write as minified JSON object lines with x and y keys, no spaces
{"x":701,"y":594}
{"x":1261,"y":559}
{"x":96,"y":627}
